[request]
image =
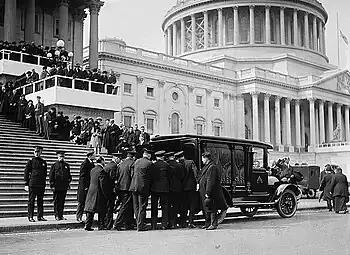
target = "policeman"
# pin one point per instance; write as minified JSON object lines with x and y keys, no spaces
{"x":189,"y":186}
{"x":176,"y":177}
{"x":122,"y":186}
{"x":35,"y":180}
{"x":60,"y":178}
{"x":160,"y":190}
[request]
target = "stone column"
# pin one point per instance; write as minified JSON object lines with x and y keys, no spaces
{"x":282,"y":25}
{"x":302,"y":126}
{"x":94,"y":7}
{"x":306,"y":31}
{"x":278,"y":123}
{"x":170,"y":44}
{"x":30,"y":21}
{"x":255,"y":115}
{"x":339,"y":121}
{"x":322,"y":124}
{"x":206,"y":30}
{"x":288,"y":126}
{"x":235,"y":26}
{"x":312,"y":125}
{"x":183,"y":35}
{"x":174,"y":39}
{"x":79,"y":16}
{"x":267,"y":118}
{"x":320,"y":36}
{"x":10,"y":21}
{"x":297,"y":125}
{"x":220,"y":27}
{"x":295,"y":27}
{"x":314,"y":32}
{"x":63,"y":23}
{"x":251,"y":24}
{"x":347,"y":126}
{"x":241,"y":116}
{"x":268,"y":25}
{"x":330,"y":122}
{"x":166,"y":40}
{"x":324,"y":39}
{"x":193,"y":24}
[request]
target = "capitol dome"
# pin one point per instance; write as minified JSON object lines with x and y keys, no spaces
{"x":201,"y":30}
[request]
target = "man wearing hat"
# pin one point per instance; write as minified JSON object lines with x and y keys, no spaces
{"x":35,"y":181}
{"x":84,"y":183}
{"x":160,"y":190}
{"x":176,"y":177}
{"x":60,"y":178}
{"x":39,"y":115}
{"x":326,"y":187}
{"x":139,"y":186}
{"x":111,"y":169}
{"x":122,"y":185}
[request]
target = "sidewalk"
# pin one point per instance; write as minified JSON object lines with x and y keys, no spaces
{"x":21,"y":224}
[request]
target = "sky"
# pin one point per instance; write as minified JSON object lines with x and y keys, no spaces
{"x":138,"y":23}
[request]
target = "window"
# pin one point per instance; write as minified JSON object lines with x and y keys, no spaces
{"x":150,"y":126}
{"x":216,"y":102}
{"x":150,"y":92}
{"x":199,"y":100}
{"x":69,"y":30}
{"x":56,"y":26}
{"x":37,"y":23}
{"x":217,"y":131}
{"x":127,"y":121}
{"x":175,"y":96}
{"x":23,"y":19}
{"x":127,"y":88}
{"x":175,"y":123}
{"x":238,"y":165}
{"x":2,"y":15}
{"x":199,"y":128}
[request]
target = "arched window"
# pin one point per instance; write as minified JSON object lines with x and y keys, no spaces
{"x":175,"y":123}
{"x":229,"y":30}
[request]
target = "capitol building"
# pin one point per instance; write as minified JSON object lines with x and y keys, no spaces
{"x":240,"y":68}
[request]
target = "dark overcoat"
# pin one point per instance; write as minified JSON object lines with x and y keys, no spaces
{"x":339,"y":185}
{"x":160,"y":176}
{"x":96,"y":199}
{"x":190,"y":175}
{"x":60,"y":176}
{"x":123,"y":175}
{"x":326,"y":187}
{"x":176,"y":176}
{"x":22,"y":103}
{"x":110,"y":169}
{"x":35,"y":173}
{"x":140,"y":176}
{"x":84,"y":179}
{"x":210,"y":184}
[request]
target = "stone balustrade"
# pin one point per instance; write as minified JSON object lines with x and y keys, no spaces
{"x":24,"y":57}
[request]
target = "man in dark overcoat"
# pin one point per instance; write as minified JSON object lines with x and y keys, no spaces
{"x":22,"y":103}
{"x":60,"y":178}
{"x":84,"y":183}
{"x":210,"y":191}
{"x":39,"y":116}
{"x":326,"y":187}
{"x":96,"y":199}
{"x":176,"y":178}
{"x":140,"y":185}
{"x":111,"y":169}
{"x":160,"y":190}
{"x":189,"y":201}
{"x":35,"y":181}
{"x":122,"y":185}
{"x":340,"y":191}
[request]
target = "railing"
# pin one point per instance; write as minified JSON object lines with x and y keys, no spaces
{"x":24,"y":58}
{"x":68,"y":82}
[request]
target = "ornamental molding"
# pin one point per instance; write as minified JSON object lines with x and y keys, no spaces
{"x":94,"y":6}
{"x":161,"y":83}
{"x":79,"y":15}
{"x":139,"y":79}
{"x":343,"y":83}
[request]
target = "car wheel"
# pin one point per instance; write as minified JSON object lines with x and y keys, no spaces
{"x":249,"y":211}
{"x":311,"y":193}
{"x":287,"y":204}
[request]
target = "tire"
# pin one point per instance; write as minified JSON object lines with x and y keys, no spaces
{"x":287,"y":204}
{"x":311,"y":193}
{"x":249,"y":211}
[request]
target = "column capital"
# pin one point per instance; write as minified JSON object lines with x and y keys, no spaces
{"x":239,"y":96}
{"x":193,"y":15}
{"x":205,"y":11}
{"x":287,"y":99}
{"x":267,"y":96}
{"x":311,"y":99}
{"x":251,"y":6}
{"x":235,"y":7}
{"x":306,"y":13}
{"x":268,"y":7}
{"x":94,"y":6}
{"x":161,"y":83}
{"x":64,"y":3}
{"x":330,"y":102}
{"x":297,"y":101}
{"x":190,"y":88}
{"x":79,"y":15}
{"x":320,"y":101}
{"x":219,"y":9}
{"x":209,"y":91}
{"x":339,"y":105}
{"x":139,"y":79}
{"x":278,"y":98}
{"x":254,"y":93}
{"x":226,"y":94}
{"x":282,"y":8}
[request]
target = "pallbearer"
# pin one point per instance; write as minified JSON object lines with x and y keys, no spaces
{"x":35,"y":181}
{"x":60,"y":178}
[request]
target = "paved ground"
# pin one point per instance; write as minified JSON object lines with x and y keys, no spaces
{"x":309,"y":232}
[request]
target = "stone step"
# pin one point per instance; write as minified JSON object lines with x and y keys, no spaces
{"x":19,"y":174}
{"x":24,"y":207}
{"x":47,"y":212}
{"x":23,"y":201}
{"x":24,"y":194}
{"x":20,"y":189}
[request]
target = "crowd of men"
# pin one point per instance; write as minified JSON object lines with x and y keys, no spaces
{"x":29,"y":48}
{"x":126,"y":182}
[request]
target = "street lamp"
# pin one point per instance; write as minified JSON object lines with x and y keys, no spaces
{"x":60,"y":44}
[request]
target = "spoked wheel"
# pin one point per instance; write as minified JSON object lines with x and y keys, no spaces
{"x":249,"y":211}
{"x":287,"y":204}
{"x":311,"y":193}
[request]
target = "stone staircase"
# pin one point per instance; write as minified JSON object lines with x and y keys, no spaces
{"x":16,"y":147}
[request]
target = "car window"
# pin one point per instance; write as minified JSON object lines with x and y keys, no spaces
{"x":238,"y":166}
{"x":258,"y":157}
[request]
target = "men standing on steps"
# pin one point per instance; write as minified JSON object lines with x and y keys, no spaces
{"x":35,"y":181}
{"x":84,"y":183}
{"x":39,"y":116}
{"x":60,"y":178}
{"x":122,"y":186}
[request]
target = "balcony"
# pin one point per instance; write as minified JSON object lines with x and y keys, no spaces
{"x":63,"y":90}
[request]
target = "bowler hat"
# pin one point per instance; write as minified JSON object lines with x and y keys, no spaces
{"x":169,"y":154}
{"x":159,"y":153}
{"x":179,"y":154}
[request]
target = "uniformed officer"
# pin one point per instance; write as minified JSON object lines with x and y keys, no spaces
{"x":60,"y":178}
{"x":122,"y":185}
{"x":176,"y":177}
{"x":189,"y":186}
{"x":111,"y":169}
{"x":160,"y":190}
{"x":35,"y":181}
